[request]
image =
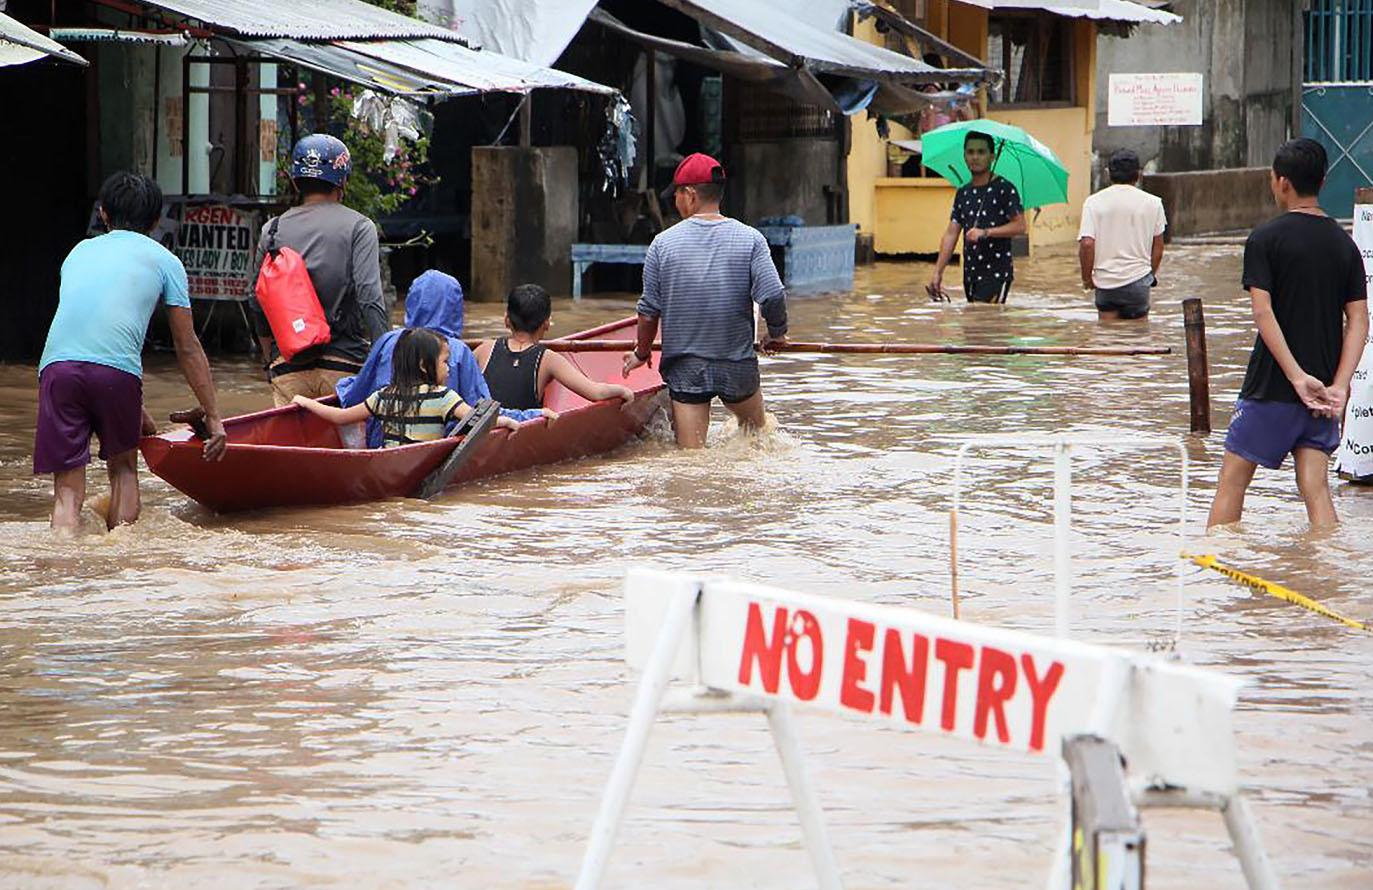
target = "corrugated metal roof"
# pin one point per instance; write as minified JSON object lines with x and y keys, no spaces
{"x":20,"y":44}
{"x":482,"y":70}
{"x":421,"y":67}
{"x":354,"y":67}
{"x":777,"y":29}
{"x":312,"y":20}
{"x":1106,"y":10}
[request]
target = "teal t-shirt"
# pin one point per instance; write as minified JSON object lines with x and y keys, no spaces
{"x":110,"y":286}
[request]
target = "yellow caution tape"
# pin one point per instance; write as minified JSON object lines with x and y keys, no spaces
{"x":1256,"y":583}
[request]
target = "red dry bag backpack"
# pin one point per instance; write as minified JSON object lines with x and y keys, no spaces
{"x":288,"y":299}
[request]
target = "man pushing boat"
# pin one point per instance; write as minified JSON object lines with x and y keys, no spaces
{"x":701,"y":279}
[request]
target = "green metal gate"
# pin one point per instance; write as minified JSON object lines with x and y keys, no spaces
{"x":1337,"y":98}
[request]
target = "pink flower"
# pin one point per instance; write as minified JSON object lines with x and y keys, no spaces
{"x":335,"y":91}
{"x":414,"y":191}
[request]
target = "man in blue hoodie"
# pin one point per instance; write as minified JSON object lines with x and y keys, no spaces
{"x":434,"y":301}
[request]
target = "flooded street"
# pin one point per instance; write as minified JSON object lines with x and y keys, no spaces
{"x":404,"y":695}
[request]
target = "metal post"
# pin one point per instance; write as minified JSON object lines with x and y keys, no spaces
{"x":803,"y":797}
{"x":654,"y":682}
{"x":1198,"y":375}
{"x":1111,"y":691}
{"x":527,"y":120}
{"x":1108,"y":840}
{"x":1063,"y":520}
{"x":1244,"y":834}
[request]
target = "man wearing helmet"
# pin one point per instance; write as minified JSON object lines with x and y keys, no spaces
{"x":341,"y":253}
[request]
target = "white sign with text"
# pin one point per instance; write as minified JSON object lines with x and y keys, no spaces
{"x":910,"y":669}
{"x":1355,"y":457}
{"x":1155,"y":100}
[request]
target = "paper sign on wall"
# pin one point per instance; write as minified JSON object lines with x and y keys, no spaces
{"x":1155,"y":100}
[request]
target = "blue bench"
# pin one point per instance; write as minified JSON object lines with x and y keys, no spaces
{"x":583,"y":255}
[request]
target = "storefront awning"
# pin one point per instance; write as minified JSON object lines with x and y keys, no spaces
{"x":1101,"y":10}
{"x":752,"y":67}
{"x":421,"y":67}
{"x":20,"y":44}
{"x":787,"y":36}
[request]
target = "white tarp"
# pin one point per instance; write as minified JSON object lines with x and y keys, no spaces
{"x":533,"y":30}
{"x":1355,"y":458}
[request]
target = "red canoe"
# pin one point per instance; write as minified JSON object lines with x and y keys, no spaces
{"x":288,"y":457}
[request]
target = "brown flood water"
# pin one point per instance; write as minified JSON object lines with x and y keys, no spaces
{"x":411,"y":695}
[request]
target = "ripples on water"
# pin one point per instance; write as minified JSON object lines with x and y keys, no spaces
{"x":405,"y":694}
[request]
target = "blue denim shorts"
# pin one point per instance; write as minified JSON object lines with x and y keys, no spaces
{"x":1266,"y":432}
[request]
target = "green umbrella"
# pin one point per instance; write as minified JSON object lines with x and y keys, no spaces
{"x":1029,"y":164}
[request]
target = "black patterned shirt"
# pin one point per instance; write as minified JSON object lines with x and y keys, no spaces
{"x":986,"y":207}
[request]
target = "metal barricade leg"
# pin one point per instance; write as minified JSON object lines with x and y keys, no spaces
{"x":803,"y":797}
{"x":1244,"y":834}
{"x":652,"y":685}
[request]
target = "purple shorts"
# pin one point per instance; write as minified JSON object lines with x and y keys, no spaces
{"x":1266,"y":432}
{"x":76,"y":399}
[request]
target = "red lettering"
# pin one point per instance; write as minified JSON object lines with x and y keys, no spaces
{"x":851,"y":691}
{"x":805,"y":685}
{"x":995,"y":685}
{"x":956,"y":657}
{"x":757,"y":648}
{"x":1040,"y":693}
{"x":895,"y":674}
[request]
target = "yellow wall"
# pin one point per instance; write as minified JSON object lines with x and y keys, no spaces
{"x":910,"y":214}
{"x":902,"y":220}
{"x":1066,"y":131}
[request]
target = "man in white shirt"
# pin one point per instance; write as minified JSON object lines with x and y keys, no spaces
{"x":1120,"y":243}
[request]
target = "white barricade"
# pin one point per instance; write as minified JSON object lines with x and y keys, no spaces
{"x":747,"y":647}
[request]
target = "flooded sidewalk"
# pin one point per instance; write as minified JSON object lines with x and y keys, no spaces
{"x":409,"y":694}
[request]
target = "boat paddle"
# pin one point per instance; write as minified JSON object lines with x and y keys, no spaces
{"x":886,"y":348}
{"x":473,"y":428}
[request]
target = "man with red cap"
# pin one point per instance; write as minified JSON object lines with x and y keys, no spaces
{"x":701,"y":279}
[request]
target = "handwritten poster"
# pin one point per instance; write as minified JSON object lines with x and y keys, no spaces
{"x":1155,"y":100}
{"x":1355,"y":457}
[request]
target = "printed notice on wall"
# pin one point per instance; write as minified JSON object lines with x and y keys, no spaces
{"x":1155,"y":100}
{"x":1355,"y":458}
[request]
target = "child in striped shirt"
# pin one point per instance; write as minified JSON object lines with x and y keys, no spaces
{"x":417,"y":405}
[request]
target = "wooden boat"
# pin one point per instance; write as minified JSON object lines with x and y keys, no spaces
{"x":288,"y":457}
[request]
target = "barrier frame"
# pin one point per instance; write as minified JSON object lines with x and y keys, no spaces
{"x":682,"y":615}
{"x":1062,"y":447}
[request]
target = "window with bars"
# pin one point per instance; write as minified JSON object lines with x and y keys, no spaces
{"x":1339,"y":41}
{"x":1036,"y":52}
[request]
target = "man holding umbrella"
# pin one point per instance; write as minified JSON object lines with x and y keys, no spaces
{"x":987,"y":212}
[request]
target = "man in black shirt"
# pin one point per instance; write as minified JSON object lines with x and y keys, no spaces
{"x":988,"y":213}
{"x":1306,"y":279}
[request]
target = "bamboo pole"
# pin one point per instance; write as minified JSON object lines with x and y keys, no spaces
{"x":885,"y":348}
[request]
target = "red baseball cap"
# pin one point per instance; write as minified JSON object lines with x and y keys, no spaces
{"x":698,"y":168}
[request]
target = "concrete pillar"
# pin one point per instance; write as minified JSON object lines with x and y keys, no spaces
{"x":524,"y":219}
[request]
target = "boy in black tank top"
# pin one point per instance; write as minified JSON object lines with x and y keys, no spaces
{"x":519,"y":368}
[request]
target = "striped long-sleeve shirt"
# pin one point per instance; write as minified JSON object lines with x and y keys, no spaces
{"x":701,"y":278}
